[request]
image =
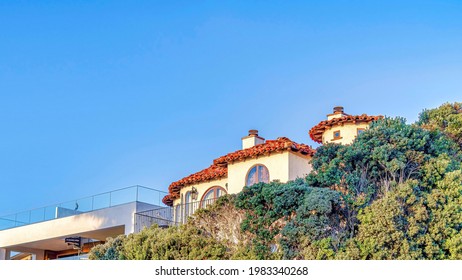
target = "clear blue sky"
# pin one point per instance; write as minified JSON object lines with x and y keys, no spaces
{"x":98,"y":95}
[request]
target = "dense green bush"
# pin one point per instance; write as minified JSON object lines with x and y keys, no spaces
{"x":111,"y":250}
{"x":174,"y":243}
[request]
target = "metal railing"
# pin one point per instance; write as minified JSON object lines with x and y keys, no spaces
{"x":169,"y":216}
{"x":160,"y":216}
{"x":83,"y":205}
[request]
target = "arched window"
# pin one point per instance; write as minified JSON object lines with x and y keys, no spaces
{"x":211,"y":195}
{"x":257,"y":174}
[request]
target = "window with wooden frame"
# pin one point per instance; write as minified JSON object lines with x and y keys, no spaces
{"x":337,"y":135}
{"x":360,"y":130}
{"x":257,"y":174}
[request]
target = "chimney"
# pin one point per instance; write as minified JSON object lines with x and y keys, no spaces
{"x":252,"y":139}
{"x":338,"y":113}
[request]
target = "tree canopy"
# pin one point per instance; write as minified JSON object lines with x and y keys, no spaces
{"x":446,"y":118}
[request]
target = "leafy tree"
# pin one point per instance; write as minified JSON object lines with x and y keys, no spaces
{"x":446,"y":118}
{"x":111,"y":250}
{"x":268,"y":208}
{"x":392,"y":227}
{"x":280,"y":215}
{"x":319,"y":219}
{"x":389,"y":153}
{"x":408,"y":223}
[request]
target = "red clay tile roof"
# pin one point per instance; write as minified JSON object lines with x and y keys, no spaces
{"x":271,"y":146}
{"x":168,"y":200}
{"x":214,"y":172}
{"x":317,"y":131}
{"x":219,"y":168}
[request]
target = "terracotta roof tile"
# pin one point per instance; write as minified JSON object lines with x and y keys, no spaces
{"x":317,"y":131}
{"x":168,"y":200}
{"x":214,"y":172}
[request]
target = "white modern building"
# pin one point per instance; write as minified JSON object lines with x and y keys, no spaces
{"x":41,"y":233}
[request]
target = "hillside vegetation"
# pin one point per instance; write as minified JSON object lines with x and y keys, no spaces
{"x":395,"y":193}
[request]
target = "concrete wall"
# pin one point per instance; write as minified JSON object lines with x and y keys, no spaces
{"x":122,"y":215}
{"x":348,"y":133}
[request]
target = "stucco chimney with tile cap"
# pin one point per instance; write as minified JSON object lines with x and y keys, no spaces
{"x":252,"y":139}
{"x":338,"y":113}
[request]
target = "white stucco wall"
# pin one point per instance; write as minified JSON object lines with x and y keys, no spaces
{"x":277,"y":164}
{"x":283,"y":166}
{"x":252,"y":140}
{"x":348,"y":133}
{"x":299,"y":167}
{"x":335,"y":116}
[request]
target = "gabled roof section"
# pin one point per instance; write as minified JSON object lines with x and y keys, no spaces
{"x":317,"y":131}
{"x":219,"y":168}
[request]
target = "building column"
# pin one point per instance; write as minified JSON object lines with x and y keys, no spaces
{"x":39,"y":255}
{"x":4,"y":254}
